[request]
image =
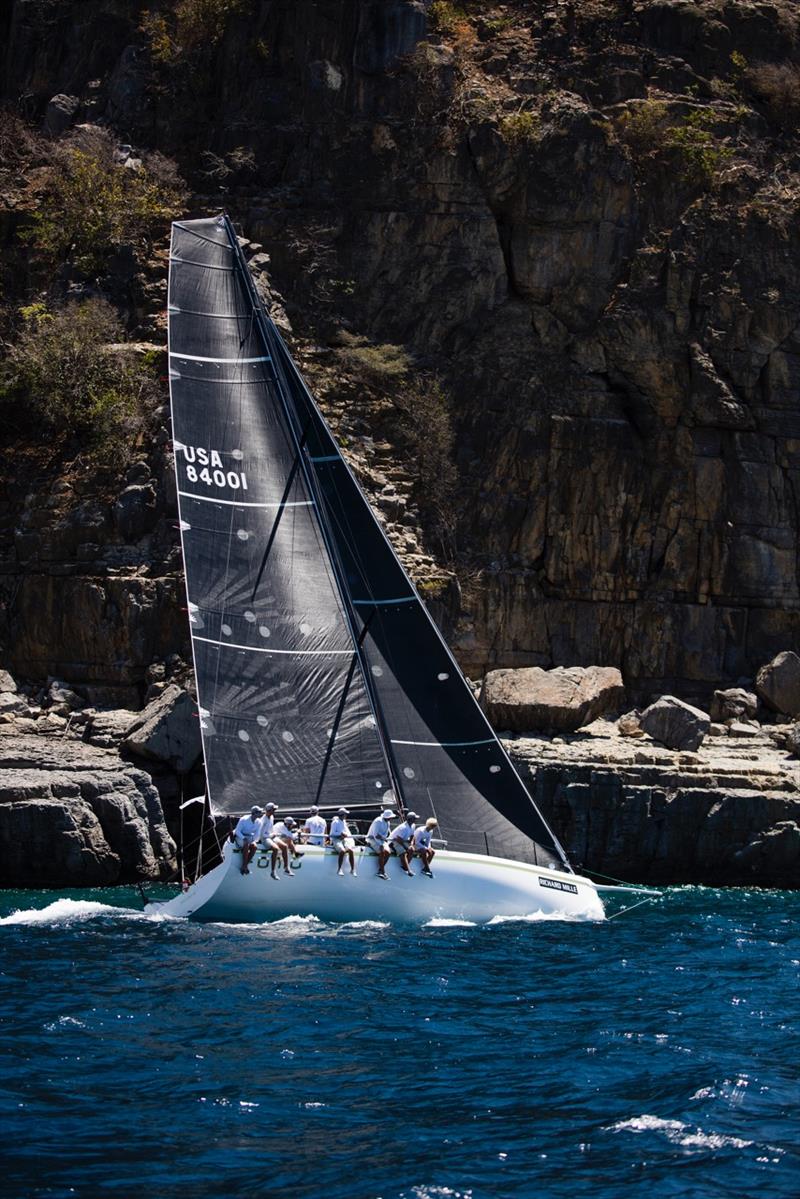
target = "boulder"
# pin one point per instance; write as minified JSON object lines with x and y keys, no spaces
{"x":790,"y":740}
{"x":12,"y":703}
{"x":630,"y":724}
{"x":733,"y":704}
{"x":675,"y":724}
{"x":59,"y":114}
{"x":60,"y":695}
{"x":559,"y":700}
{"x":778,"y":684}
{"x":741,"y":728}
{"x":136,"y":511}
{"x":168,"y":729}
{"x":6,"y":681}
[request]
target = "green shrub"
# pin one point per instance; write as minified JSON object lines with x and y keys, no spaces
{"x":427,"y":422}
{"x":446,"y":17}
{"x":642,"y":128}
{"x":699,"y":153}
{"x":73,"y":373}
{"x":187,"y":28}
{"x":92,"y":203}
{"x":519,"y":128}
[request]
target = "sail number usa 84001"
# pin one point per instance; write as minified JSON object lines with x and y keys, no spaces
{"x":206,"y":466}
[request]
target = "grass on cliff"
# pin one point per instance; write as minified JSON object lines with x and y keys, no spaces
{"x":92,"y":203}
{"x":69,"y":372}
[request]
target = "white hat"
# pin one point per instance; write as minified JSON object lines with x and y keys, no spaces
{"x":313,"y":810}
{"x":256,"y":810}
{"x":387,"y":814}
{"x":343,"y":812}
{"x":290,"y":822}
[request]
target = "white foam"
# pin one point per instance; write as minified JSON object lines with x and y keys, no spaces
{"x":538,"y":917}
{"x":64,"y":910}
{"x":441,"y":922}
{"x":678,"y":1133}
{"x":365,"y":924}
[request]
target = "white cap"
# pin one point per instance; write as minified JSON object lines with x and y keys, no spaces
{"x":412,"y":815}
{"x":343,"y":812}
{"x":313,"y":810}
{"x":256,"y":810}
{"x":387,"y":814}
{"x":290,"y":822}
{"x":272,"y":807}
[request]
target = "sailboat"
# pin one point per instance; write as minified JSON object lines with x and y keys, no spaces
{"x":321,"y":677}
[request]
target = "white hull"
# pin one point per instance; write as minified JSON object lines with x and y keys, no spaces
{"x":464,"y":887}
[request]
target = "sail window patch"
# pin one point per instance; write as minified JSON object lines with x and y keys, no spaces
{"x":408,"y":772}
{"x":378,"y":784}
{"x":287,"y":736}
{"x":262,"y":720}
{"x":442,"y":675}
{"x":263,"y":630}
{"x":250,"y":617}
{"x":244,"y":735}
{"x":242,"y":534}
{"x":494,"y":770}
{"x":377,"y":671}
{"x":226,"y":630}
{"x":305,"y":629}
{"x":237,"y":454}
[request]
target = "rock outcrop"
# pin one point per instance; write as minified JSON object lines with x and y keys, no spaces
{"x":72,"y":815}
{"x":675,"y":724}
{"x":562,"y":700}
{"x":733,"y":704}
{"x":168,"y":730}
{"x":726,"y":814}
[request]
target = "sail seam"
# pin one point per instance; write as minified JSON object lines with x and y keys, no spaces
{"x":257,"y":649}
{"x":327,"y":458}
{"x":220,"y":245}
{"x":210,"y":499}
{"x":200,"y":358}
{"x":207,"y":266}
{"x":444,"y":744}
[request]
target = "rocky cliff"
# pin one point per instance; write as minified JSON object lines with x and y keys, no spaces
{"x":578,"y":215}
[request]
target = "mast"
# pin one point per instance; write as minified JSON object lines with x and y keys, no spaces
{"x":310,"y":479}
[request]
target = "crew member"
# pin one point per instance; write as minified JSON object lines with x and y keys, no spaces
{"x":342,"y":840}
{"x":284,"y":833}
{"x":378,"y":840}
{"x":246,"y":834}
{"x":315,"y":827}
{"x":401,"y":841}
{"x":422,"y":844}
{"x":267,"y":839}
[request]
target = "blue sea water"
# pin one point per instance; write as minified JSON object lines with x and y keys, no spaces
{"x":656,"y":1054}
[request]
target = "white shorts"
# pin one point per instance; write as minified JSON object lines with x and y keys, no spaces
{"x":377,"y":845}
{"x":342,"y":844}
{"x":399,"y":847}
{"x":241,"y":841}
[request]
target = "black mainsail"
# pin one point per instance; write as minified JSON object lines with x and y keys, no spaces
{"x":321,"y":675}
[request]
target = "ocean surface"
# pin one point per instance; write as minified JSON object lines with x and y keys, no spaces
{"x":655,"y":1055}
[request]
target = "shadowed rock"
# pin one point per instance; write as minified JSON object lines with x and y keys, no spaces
{"x":561,"y":700}
{"x":778,"y":684}
{"x":733,"y":704}
{"x":675,"y":724}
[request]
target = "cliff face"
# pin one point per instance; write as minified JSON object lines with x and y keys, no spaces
{"x":579,"y":216}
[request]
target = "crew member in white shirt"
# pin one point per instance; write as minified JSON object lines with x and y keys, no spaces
{"x":284,"y":833}
{"x":401,"y":841}
{"x":246,"y":834}
{"x":422,"y":844}
{"x":315,"y":827}
{"x":342,"y":840}
{"x":266,"y":836}
{"x":378,"y":840}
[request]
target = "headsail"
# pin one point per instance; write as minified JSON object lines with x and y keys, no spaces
{"x":271,"y":641}
{"x":290,"y":575}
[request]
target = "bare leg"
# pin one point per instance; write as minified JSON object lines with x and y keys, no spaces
{"x":352,"y":858}
{"x":405,"y":862}
{"x":273,"y":871}
{"x":341,"y":861}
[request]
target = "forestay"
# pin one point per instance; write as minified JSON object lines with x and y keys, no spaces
{"x":330,"y":581}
